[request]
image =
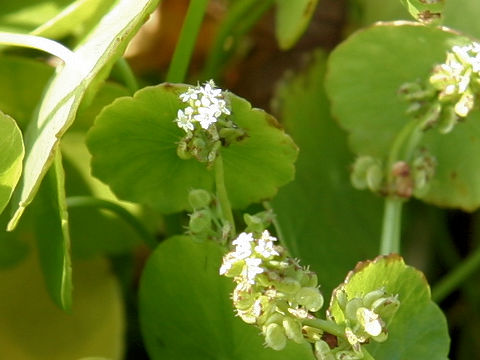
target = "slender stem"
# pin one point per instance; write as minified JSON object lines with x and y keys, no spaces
{"x":222,"y":195}
{"x":325,"y":325}
{"x":188,"y":35}
{"x":392,"y":219}
{"x":39,"y":43}
{"x":87,"y":201}
{"x":276,"y":224}
{"x":455,"y":278}
{"x":240,"y":18}
{"x":127,"y":75}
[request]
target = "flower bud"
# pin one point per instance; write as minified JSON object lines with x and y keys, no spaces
{"x":275,"y":336}
{"x":310,"y":297}
{"x":199,"y":198}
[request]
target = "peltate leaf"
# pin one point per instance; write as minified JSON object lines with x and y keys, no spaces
{"x":11,"y":148}
{"x":419,"y":329}
{"x":186,"y":310}
{"x":91,"y":62}
{"x":365,"y":74}
{"x":292,"y":18}
{"x":319,"y":212}
{"x":134,"y":142}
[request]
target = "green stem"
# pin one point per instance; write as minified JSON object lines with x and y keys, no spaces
{"x":186,"y":42}
{"x":222,"y":195}
{"x":125,"y":72}
{"x":392,"y":219}
{"x":276,"y":224}
{"x":91,"y":202}
{"x":325,"y":325}
{"x":455,"y":278}
{"x":240,"y":19}
{"x":39,"y":43}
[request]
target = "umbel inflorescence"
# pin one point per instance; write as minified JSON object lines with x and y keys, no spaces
{"x":281,"y":298}
{"x":449,"y":94}
{"x":206,"y":123}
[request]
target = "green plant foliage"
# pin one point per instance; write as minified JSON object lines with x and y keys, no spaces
{"x":137,"y":136}
{"x":51,"y":224}
{"x":91,"y":62}
{"x":320,"y":208}
{"x":418,"y":320}
{"x":426,"y":11}
{"x":186,"y":312}
{"x":462,"y":15}
{"x":366,"y":12}
{"x":370,"y":106}
{"x":11,"y":148}
{"x":24,"y":15}
{"x":77,"y":18}
{"x":292,"y":18}
{"x":32,"y":327}
{"x":22,"y":81}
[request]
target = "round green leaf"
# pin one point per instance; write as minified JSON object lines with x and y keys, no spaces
{"x":418,"y":330}
{"x":12,"y":150}
{"x":32,"y":327}
{"x":186,"y":310}
{"x":365,"y":73}
{"x":134,"y":141}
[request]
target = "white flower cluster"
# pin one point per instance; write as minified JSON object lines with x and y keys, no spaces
{"x":249,"y":254}
{"x":206,"y":105}
{"x":469,"y":54}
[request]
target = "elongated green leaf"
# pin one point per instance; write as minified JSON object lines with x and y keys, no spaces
{"x":32,"y":327}
{"x":22,"y":16}
{"x":186,"y":310}
{"x":292,"y":18}
{"x":320,"y":213}
{"x":11,"y":148}
{"x":365,"y":74}
{"x":75,"y":18}
{"x":134,"y":142}
{"x":92,"y":60}
{"x":51,"y":225}
{"x":418,"y":330}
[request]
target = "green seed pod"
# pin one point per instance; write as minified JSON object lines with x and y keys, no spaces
{"x":307,"y":278}
{"x":386,"y":307}
{"x":293,"y":329}
{"x":287,"y":286}
{"x":275,"y":336}
{"x":351,"y":309}
{"x":199,"y":198}
{"x":275,"y":318}
{"x":370,"y":297}
{"x":200,"y":221}
{"x":342,"y":299}
{"x":322,"y":351}
{"x":243,"y":297}
{"x":348,"y":355}
{"x":182,"y":150}
{"x":374,"y":177}
{"x":310,"y":297}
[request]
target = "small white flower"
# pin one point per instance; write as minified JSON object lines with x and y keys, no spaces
{"x":265,"y":245}
{"x":206,"y":105}
{"x":243,"y":245}
{"x":370,"y":321}
{"x":252,"y":269}
{"x":184,"y":121}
